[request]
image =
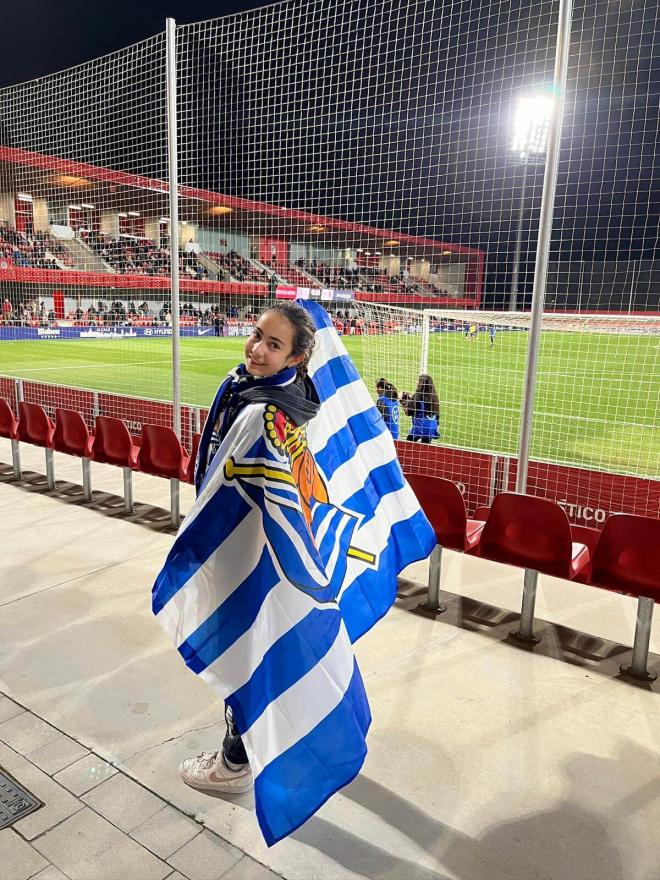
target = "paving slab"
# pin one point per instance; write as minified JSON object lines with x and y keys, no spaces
{"x":57,"y":754}
{"x":123,"y":802}
{"x":50,"y":873}
{"x":85,"y":774}
{"x":18,"y":860}
{"x":101,"y":851}
{"x":248,"y":869}
{"x":166,"y":832}
{"x":25,"y":732}
{"x":206,"y":857}
{"x":9,"y":709}
{"x":58,"y":803}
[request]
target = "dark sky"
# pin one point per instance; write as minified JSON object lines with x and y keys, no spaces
{"x":37,"y":38}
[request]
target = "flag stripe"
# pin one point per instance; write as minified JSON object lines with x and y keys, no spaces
{"x":288,"y":659}
{"x":368,"y":597}
{"x":198,"y":542}
{"x":306,"y":703}
{"x":333,"y":374}
{"x":234,"y":617}
{"x":281,"y":610}
{"x":381,"y":481}
{"x":345,"y":443}
{"x":311,"y":772}
{"x":213,"y":582}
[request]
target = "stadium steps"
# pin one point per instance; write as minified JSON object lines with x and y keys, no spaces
{"x":84,"y":257}
{"x":210,"y":265}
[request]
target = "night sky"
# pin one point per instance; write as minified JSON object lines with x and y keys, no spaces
{"x":422,"y":148}
{"x":37,"y":38}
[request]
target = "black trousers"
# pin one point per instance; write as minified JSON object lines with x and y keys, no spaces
{"x":232,"y":745}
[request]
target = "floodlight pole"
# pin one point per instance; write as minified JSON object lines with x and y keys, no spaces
{"x":513,"y":293}
{"x":543,"y":244}
{"x":170,"y":33}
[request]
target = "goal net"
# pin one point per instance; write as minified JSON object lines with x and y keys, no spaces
{"x":597,"y":401}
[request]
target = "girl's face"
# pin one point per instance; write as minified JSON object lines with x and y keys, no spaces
{"x":269,"y":349}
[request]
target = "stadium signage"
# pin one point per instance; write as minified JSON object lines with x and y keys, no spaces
{"x":588,"y":514}
{"x":47,"y":331}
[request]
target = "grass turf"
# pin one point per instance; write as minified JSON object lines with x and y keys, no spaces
{"x":596,"y":405}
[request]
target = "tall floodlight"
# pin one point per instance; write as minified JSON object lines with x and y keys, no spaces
{"x":528,"y":145}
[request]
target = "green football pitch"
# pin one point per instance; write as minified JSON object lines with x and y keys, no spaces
{"x":596,"y":405}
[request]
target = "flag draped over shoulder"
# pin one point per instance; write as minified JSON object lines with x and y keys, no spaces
{"x":290,"y":553}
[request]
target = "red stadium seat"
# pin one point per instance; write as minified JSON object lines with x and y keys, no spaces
{"x":72,"y":437}
{"x":189,"y":464}
{"x":161,"y":454}
{"x":627,"y":560}
{"x":9,"y":429}
{"x":36,"y":428}
{"x":443,"y":504}
{"x":8,"y":421}
{"x":534,"y":534}
{"x":72,"y":434}
{"x":113,"y":444}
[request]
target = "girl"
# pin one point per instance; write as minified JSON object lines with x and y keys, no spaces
{"x":275,"y":372}
{"x":424,"y":409}
{"x":388,"y":405}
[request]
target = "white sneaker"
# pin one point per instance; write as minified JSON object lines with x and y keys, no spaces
{"x":208,"y":772}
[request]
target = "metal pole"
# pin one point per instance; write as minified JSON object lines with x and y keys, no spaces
{"x":513,"y":294}
{"x":175,"y":508}
{"x":174,"y":220}
{"x":424,"y":359}
{"x":433,"y":595}
{"x":87,"y":479}
{"x":50,"y":470}
{"x":526,"y":631}
{"x":16,"y":459}
{"x":640,"y":658}
{"x":543,"y":245}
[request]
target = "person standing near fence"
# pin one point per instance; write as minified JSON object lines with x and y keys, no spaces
{"x":388,"y":405}
{"x":274,"y":374}
{"x":424,"y":408}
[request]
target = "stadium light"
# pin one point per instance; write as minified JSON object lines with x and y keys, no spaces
{"x":528,"y":144}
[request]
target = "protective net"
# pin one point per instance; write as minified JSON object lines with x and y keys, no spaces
{"x":378,"y":156}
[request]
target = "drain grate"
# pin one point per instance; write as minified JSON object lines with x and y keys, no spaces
{"x":15,"y":801}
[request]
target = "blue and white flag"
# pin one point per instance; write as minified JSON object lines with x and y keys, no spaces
{"x":289,"y":554}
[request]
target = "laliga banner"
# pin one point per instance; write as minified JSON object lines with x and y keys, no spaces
{"x":18,"y":333}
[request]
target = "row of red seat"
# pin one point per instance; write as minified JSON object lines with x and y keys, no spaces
{"x":160,"y":453}
{"x":521,"y":530}
{"x":535,"y":534}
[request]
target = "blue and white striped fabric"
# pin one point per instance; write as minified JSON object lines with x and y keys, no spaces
{"x":266,"y":587}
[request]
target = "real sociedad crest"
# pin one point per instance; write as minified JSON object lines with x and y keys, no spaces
{"x":313,"y":549}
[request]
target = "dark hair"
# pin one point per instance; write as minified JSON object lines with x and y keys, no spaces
{"x":426,"y":392}
{"x":387,"y":388}
{"x":304,"y":332}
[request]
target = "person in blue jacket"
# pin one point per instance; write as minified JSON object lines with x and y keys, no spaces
{"x":424,"y":409}
{"x":388,"y":405}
